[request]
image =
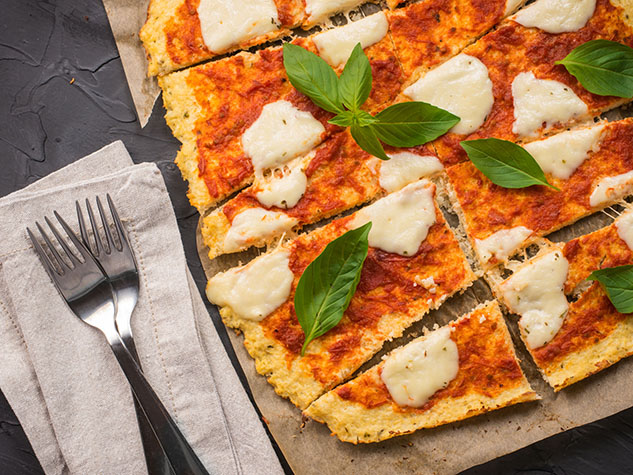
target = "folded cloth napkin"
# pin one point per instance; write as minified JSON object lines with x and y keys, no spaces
{"x":59,"y":374}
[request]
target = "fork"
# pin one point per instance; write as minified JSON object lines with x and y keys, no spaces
{"x":118,"y":263}
{"x":88,"y":293}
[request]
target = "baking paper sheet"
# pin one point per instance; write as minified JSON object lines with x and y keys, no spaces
{"x":126,"y":18}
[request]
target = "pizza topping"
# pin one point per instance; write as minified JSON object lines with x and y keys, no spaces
{"x":511,"y":5}
{"x":228,"y":23}
{"x":255,"y":290}
{"x":336,"y":45}
{"x":502,"y":243}
{"x":401,"y":220}
{"x":406,"y":167}
{"x":461,"y":86}
{"x":557,"y":16}
{"x":284,"y":187}
{"x":563,"y":153}
{"x":281,"y":133}
{"x":320,"y":10}
{"x":542,"y":101}
{"x":255,"y":224}
{"x":536,"y":293}
{"x":624,"y":226}
{"x":611,"y":188}
{"x":415,"y":372}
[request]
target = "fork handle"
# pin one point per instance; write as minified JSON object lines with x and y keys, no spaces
{"x":180,"y":454}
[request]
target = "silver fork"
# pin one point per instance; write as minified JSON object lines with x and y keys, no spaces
{"x":88,"y":293}
{"x":118,"y":263}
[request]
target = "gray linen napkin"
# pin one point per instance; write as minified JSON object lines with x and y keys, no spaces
{"x":60,"y":376}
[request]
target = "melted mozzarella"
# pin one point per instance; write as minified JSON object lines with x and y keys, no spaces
{"x":321,"y":10}
{"x":557,"y":16}
{"x":624,"y":226}
{"x":281,"y":133}
{"x":255,"y":290}
{"x":336,"y":45}
{"x":461,"y":86}
{"x":400,"y":221}
{"x":228,"y":23}
{"x":511,"y":5}
{"x":284,"y":187}
{"x":542,"y":101}
{"x":256,"y":224}
{"x":415,"y":372}
{"x":406,"y":167}
{"x":501,"y":243}
{"x":563,"y":153}
{"x":612,"y":188}
{"x":536,"y":293}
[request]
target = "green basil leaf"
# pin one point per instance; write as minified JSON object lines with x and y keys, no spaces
{"x":344,"y":119}
{"x":367,"y":139}
{"x":408,"y":124}
{"x":327,"y":285}
{"x":354,"y":84}
{"x":505,"y":163}
{"x":602,"y":67}
{"x":617,"y":282}
{"x":312,"y":76}
{"x":364,"y":118}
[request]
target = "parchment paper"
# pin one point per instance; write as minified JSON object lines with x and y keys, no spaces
{"x":126,"y":18}
{"x":310,"y":449}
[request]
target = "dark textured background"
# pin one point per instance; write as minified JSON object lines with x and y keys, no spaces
{"x":46,"y":122}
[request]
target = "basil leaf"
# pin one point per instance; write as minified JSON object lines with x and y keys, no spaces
{"x":327,"y":285}
{"x":364,"y":118}
{"x":354,"y":84}
{"x":312,"y":76}
{"x":617,"y":282}
{"x":408,"y":124}
{"x":602,"y":67}
{"x":344,"y":119}
{"x":505,"y":163}
{"x":367,"y":139}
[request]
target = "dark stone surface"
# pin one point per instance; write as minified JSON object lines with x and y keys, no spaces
{"x":46,"y":122}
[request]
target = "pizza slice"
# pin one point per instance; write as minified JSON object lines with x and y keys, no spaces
{"x":591,"y":166}
{"x":463,"y":369}
{"x":335,"y":177}
{"x":413,"y":265}
{"x":180,"y":33}
{"x":507,"y":85}
{"x":570,"y":341}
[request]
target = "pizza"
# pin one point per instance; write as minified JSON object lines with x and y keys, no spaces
{"x":571,"y":340}
{"x":507,"y":85}
{"x":335,"y":177}
{"x":592,"y":166}
{"x":463,"y":369}
{"x":179,"y":33}
{"x":414,"y":264}
{"x":210,"y":107}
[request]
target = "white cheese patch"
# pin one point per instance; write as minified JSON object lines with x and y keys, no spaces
{"x":321,"y":10}
{"x":542,"y":101}
{"x":255,"y":290}
{"x":415,"y":372}
{"x":284,"y":187}
{"x":256,"y":224}
{"x":502,"y":243}
{"x":404,"y":168}
{"x":536,"y":293}
{"x":556,"y":16}
{"x":461,"y":86}
{"x":336,"y":45}
{"x":511,"y":5}
{"x":624,"y":225}
{"x":428,"y":283}
{"x":401,"y":220}
{"x":281,"y":133}
{"x":612,"y":188}
{"x":563,"y":153}
{"x":226,"y":23}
